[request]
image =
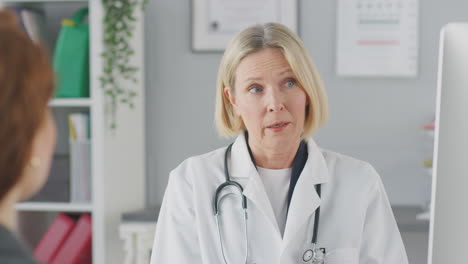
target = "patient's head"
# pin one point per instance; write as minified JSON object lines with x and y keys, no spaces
{"x":27,"y":129}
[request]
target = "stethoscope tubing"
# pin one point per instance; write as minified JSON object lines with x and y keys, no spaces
{"x":238,"y":186}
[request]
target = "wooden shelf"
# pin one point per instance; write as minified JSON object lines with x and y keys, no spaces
{"x":54,"y":207}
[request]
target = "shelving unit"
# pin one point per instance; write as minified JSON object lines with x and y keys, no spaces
{"x":117,"y":156}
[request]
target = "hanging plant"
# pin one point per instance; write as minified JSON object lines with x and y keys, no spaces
{"x":119,"y":24}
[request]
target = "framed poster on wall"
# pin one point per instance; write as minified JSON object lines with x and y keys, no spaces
{"x":377,"y":38}
{"x":215,"y":22}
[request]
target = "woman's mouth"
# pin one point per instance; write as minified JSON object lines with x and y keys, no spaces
{"x":276,"y":127}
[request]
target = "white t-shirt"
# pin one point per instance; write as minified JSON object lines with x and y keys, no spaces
{"x":276,"y":184}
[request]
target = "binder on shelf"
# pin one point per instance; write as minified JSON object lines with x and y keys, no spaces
{"x":80,"y":173}
{"x":80,"y":158}
{"x":77,"y":247}
{"x":52,"y":240}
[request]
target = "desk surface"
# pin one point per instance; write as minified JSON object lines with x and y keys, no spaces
{"x":404,"y":215}
{"x":406,"y":219}
{"x":145,"y":215}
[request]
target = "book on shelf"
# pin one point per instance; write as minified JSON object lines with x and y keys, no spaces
{"x":54,"y":237}
{"x":77,"y":247}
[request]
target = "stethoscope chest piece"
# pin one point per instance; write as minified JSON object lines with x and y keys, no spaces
{"x":314,"y":255}
{"x":308,"y":255}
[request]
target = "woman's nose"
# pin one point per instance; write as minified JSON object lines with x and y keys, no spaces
{"x":275,"y":102}
{"x":276,"y":108}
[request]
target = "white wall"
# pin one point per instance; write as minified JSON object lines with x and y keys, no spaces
{"x":376,"y":120}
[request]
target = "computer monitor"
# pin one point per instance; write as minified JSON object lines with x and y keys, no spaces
{"x":448,"y":234}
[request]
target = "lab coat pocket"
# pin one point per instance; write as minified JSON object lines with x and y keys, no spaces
{"x":343,"y":256}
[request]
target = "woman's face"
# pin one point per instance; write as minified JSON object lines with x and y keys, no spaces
{"x":269,"y":99}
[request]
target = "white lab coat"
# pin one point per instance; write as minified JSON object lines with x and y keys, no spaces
{"x":356,"y":221}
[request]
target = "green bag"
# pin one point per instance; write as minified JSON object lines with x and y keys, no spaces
{"x":71,"y":58}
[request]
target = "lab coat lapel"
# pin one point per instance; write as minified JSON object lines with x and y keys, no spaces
{"x":305,"y":199}
{"x":243,"y":170}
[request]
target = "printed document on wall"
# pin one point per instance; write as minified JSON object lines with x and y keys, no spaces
{"x":232,"y":16}
{"x":216,"y":22}
{"x":377,"y":38}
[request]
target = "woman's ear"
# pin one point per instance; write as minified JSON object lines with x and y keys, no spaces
{"x":230,"y":96}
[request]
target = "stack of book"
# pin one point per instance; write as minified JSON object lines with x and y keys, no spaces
{"x":66,"y":241}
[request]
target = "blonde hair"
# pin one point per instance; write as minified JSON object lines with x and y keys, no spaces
{"x":254,"y":39}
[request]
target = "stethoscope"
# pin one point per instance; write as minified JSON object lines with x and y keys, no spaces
{"x":312,"y":254}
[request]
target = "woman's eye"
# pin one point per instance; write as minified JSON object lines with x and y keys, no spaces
{"x":290,"y":83}
{"x":255,"y":89}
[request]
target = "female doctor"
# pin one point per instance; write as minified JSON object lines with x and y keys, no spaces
{"x":274,"y":196}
